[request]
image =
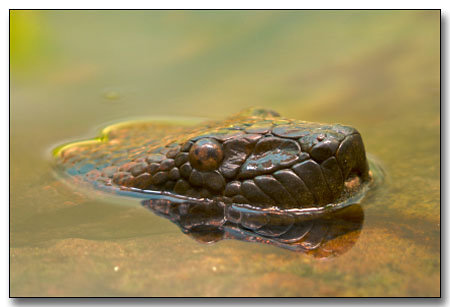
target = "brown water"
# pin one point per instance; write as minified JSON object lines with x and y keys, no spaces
{"x":73,"y":73}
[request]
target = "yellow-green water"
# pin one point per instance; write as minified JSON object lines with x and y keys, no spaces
{"x":74,"y":72}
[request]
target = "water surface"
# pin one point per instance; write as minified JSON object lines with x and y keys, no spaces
{"x":73,"y":73}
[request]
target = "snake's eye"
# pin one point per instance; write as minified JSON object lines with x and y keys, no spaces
{"x":206,"y":154}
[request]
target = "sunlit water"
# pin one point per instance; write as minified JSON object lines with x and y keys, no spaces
{"x":74,"y":73}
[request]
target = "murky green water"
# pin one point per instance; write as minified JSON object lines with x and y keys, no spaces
{"x":75,"y":72}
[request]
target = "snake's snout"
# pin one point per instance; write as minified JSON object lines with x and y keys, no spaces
{"x":300,"y":168}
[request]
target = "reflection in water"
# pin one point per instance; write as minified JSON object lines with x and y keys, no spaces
{"x":328,"y":235}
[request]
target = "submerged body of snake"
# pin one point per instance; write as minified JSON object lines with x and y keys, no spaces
{"x":254,"y":169}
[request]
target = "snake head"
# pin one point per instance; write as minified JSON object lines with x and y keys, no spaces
{"x":256,"y":157}
{"x":268,"y":161}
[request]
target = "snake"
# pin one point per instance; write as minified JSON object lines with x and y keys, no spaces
{"x":256,"y":173}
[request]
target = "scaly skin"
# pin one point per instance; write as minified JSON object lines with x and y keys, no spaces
{"x":255,"y":157}
{"x":255,"y":160}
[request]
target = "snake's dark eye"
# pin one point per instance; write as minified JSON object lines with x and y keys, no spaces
{"x":206,"y":154}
